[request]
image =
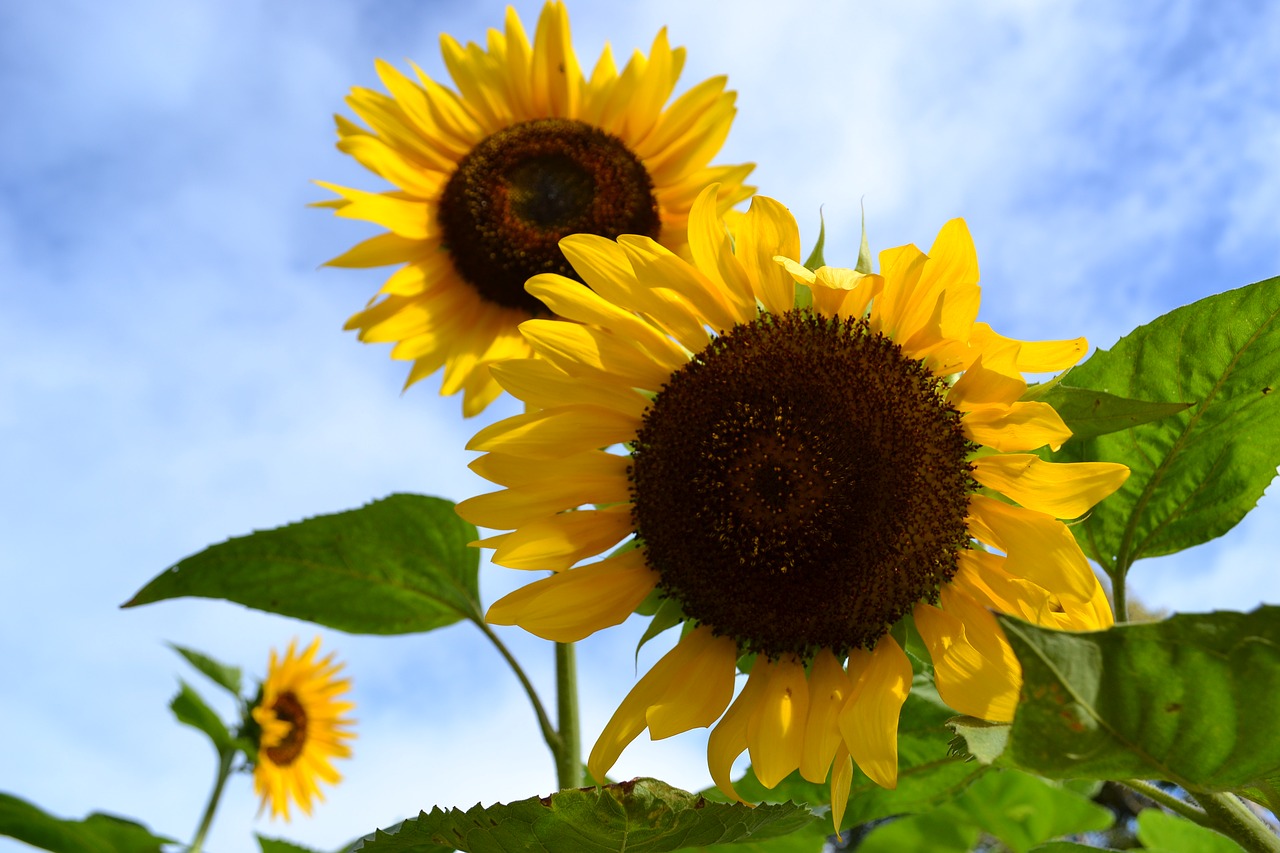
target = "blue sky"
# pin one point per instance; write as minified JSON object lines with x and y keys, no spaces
{"x":173,"y":370}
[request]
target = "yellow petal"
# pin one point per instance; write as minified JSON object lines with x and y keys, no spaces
{"x":769,"y":230}
{"x":901,"y":268}
{"x":595,"y":355}
{"x":513,"y":507}
{"x":542,"y":386}
{"x":712,"y":252}
{"x":775,"y":731}
{"x":557,"y":542}
{"x":1061,"y":489}
{"x":699,"y":693}
{"x":869,"y":720}
{"x":654,"y":688}
{"x":556,"y":433}
{"x":829,"y":688}
{"x":575,"y":603}
{"x":992,"y":379}
{"x":841,"y":782}
{"x":508,"y":470}
{"x":380,"y":251}
{"x":412,"y":220}
{"x":1017,"y":426}
{"x":974,"y":667}
{"x":729,"y":737}
{"x":1034,"y":356}
{"x":1039,"y":547}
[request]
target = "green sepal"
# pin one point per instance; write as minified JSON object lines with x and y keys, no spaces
{"x":667,"y":615}
{"x":228,"y":677}
{"x":640,"y":816}
{"x":864,"y":248}
{"x":97,"y":833}
{"x":396,"y":566}
{"x":816,"y":258}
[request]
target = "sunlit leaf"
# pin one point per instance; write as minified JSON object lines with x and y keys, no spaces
{"x":640,"y":816}
{"x":1163,"y":833}
{"x":1190,"y":700}
{"x":97,"y":833}
{"x":1093,"y":413}
{"x":396,"y":566}
{"x":1196,"y":473}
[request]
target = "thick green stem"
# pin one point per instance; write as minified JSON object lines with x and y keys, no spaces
{"x":1169,"y":801}
{"x":1237,"y":821}
{"x":225,"y":757}
{"x":549,"y":733}
{"x":1120,"y":599}
{"x":569,"y":758}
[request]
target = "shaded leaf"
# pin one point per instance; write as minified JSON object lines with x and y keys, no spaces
{"x":1189,"y":700}
{"x":1197,"y":473}
{"x":97,"y":833}
{"x":1165,"y":833}
{"x":1093,"y":413}
{"x":221,"y":674}
{"x":668,"y":614}
{"x":190,"y":708}
{"x":640,"y":816}
{"x":1023,"y":811}
{"x":981,"y":740}
{"x":279,"y":845}
{"x":935,"y":832}
{"x":1067,"y":847}
{"x":395,"y":566}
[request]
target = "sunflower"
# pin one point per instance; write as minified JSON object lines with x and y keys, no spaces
{"x":491,"y":176}
{"x":798,"y":483}
{"x":303,"y":727}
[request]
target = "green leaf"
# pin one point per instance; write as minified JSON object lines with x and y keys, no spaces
{"x":97,"y":833}
{"x":396,"y":566}
{"x":1197,"y":473}
{"x":1190,"y":700}
{"x":934,"y":832}
{"x":221,"y":674}
{"x":1159,"y":831}
{"x":982,"y":740}
{"x":640,"y":816}
{"x":1068,"y":847}
{"x":190,"y":708}
{"x":279,"y":845}
{"x":1023,"y":811}
{"x":668,"y":615}
{"x":1093,"y":413}
{"x":807,"y":839}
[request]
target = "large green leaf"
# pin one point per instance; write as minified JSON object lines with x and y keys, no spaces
{"x":396,"y":566}
{"x":640,"y":816}
{"x":1164,"y":833}
{"x":935,"y":832}
{"x":97,"y":833}
{"x":1197,"y":473}
{"x":1190,"y":700}
{"x":1023,"y":811}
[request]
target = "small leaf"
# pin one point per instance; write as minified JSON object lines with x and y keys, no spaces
{"x":640,"y":816}
{"x":396,"y":566}
{"x":1197,"y":473}
{"x":97,"y":833}
{"x":1092,"y":413}
{"x":1162,"y":832}
{"x":1189,"y":700}
{"x":279,"y":845}
{"x":221,"y":674}
{"x":668,"y":615}
{"x":979,"y":739}
{"x":190,"y":708}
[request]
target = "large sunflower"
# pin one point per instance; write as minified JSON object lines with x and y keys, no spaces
{"x":490,"y":177}
{"x":798,"y":483}
{"x":303,"y":728}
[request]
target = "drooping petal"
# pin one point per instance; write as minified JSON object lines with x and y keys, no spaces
{"x":841,"y":782}
{"x":869,"y":720}
{"x":729,"y":738}
{"x":1039,"y":547}
{"x":655,"y":688}
{"x":829,"y":688}
{"x":1060,"y":489}
{"x":775,"y":729}
{"x":974,"y":667}
{"x":575,"y":603}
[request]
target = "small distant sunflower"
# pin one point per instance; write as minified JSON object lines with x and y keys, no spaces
{"x":303,"y":728}
{"x":798,"y":482}
{"x":490,"y":177}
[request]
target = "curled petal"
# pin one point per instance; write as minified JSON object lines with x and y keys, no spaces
{"x":1060,"y":489}
{"x":974,"y":666}
{"x":575,"y":603}
{"x":668,"y":683}
{"x":841,"y":782}
{"x":729,"y":738}
{"x":775,"y":729}
{"x":1018,"y":426}
{"x":1033,"y":356}
{"x":992,"y":379}
{"x":869,"y":720}
{"x":1040,"y":548}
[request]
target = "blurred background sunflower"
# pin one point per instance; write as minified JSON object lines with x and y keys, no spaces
{"x":491,"y":175}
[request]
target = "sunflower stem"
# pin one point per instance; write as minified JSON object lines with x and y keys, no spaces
{"x":549,"y":734}
{"x":1120,"y":599}
{"x":1231,"y":817}
{"x":225,"y":757}
{"x":569,"y":758}
{"x":1169,"y":801}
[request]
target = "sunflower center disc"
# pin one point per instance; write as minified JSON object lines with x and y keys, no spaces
{"x":516,"y":194}
{"x":288,"y":709}
{"x":800,"y":484}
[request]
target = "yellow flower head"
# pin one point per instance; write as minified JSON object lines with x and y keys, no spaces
{"x":491,"y":176}
{"x":800,"y":480}
{"x":304,"y":727}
